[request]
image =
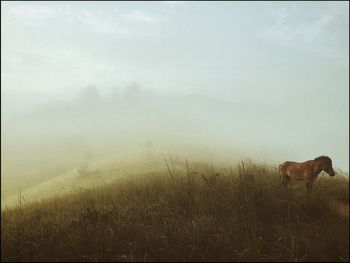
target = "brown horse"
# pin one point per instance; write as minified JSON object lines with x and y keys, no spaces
{"x":306,"y":171}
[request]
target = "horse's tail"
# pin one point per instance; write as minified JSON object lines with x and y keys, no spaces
{"x":279,"y":171}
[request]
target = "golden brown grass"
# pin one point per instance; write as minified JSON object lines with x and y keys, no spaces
{"x":198,"y":213}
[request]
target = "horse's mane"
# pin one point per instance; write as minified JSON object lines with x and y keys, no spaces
{"x":323,"y":158}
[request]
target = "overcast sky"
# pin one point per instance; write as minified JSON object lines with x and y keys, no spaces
{"x":288,"y":57}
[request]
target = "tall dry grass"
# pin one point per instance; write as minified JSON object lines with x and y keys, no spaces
{"x":194,"y":213}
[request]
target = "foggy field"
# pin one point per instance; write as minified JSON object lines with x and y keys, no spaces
{"x":153,"y":130}
{"x":85,"y":179}
{"x":54,"y":140}
{"x":188,"y":211}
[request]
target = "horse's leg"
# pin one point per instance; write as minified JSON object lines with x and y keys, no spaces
{"x":308,"y":186}
{"x":285,"y":181}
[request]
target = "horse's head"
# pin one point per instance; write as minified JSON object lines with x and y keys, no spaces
{"x":326,"y":164}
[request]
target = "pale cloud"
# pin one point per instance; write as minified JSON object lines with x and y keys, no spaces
{"x":35,"y":15}
{"x":94,"y":20}
{"x":65,"y":11}
{"x":100,"y":25}
{"x":294,"y":30}
{"x":138,"y":16}
{"x":173,"y":3}
{"x":286,"y":31}
{"x":31,"y":14}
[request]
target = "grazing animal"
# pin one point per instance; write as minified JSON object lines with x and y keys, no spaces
{"x":306,"y":171}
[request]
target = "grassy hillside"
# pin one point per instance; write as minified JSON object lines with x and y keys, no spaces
{"x":87,"y":175}
{"x":186,"y":212}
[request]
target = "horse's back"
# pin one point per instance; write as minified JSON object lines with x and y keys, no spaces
{"x":284,"y":166}
{"x":293,"y":170}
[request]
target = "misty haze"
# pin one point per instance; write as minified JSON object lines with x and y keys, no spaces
{"x":108,"y":104}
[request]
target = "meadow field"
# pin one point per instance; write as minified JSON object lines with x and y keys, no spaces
{"x":187,"y":211}
{"x":154,"y":131}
